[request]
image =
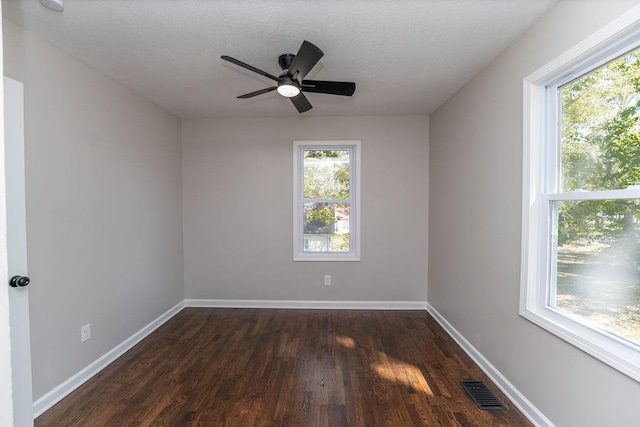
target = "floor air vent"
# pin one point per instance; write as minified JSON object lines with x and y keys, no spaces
{"x":480,"y":394}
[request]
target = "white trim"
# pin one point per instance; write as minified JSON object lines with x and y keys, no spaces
{"x":6,"y":384}
{"x":299,"y":304}
{"x":616,"y":352}
{"x":61,"y":391}
{"x":515,"y":396}
{"x":355,"y":164}
{"x":592,"y":195}
{"x":64,"y":389}
{"x":540,"y":135}
{"x":614,"y":32}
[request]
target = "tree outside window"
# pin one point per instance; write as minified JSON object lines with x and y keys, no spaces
{"x":581,"y":197}
{"x":598,"y":240}
{"x":325,"y":210}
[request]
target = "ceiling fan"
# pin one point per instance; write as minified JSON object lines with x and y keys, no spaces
{"x":290,"y":82}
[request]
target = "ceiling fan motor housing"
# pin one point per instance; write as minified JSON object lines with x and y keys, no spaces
{"x":285,"y":60}
{"x":286,"y":79}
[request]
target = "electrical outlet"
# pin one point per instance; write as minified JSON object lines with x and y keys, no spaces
{"x":327,"y":280}
{"x":85,"y":332}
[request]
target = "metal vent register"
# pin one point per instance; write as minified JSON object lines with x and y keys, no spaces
{"x":480,"y":394}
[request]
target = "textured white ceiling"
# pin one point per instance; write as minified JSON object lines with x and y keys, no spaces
{"x":406,"y":56}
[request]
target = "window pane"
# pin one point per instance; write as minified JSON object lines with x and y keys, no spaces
{"x":598,"y":264}
{"x":326,"y":227}
{"x":326,"y":174}
{"x":600,"y":141}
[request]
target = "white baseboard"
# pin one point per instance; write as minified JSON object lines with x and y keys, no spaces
{"x":518,"y":399}
{"x":61,"y":391}
{"x":296,"y":304}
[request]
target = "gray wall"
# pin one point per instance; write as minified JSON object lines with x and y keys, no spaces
{"x":103,"y":208}
{"x":237,"y":198}
{"x":475,"y":220}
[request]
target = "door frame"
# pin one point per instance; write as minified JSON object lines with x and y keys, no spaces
{"x":16,"y":240}
{"x":6,"y":386}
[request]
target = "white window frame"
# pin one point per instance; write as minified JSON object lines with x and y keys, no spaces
{"x":541,"y":186}
{"x":354,"y":207}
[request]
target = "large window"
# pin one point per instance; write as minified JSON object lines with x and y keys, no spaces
{"x":581,"y":228}
{"x":326,"y":200}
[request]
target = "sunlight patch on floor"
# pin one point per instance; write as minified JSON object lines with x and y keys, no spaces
{"x":345,"y":341}
{"x":402,"y":373}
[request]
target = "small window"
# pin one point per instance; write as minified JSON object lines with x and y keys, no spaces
{"x":326,"y":200}
{"x":581,"y":227}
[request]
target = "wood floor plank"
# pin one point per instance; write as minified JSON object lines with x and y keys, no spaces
{"x":264,"y":367}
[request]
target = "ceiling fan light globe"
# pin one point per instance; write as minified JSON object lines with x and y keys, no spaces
{"x":288,"y":90}
{"x":55,"y":5}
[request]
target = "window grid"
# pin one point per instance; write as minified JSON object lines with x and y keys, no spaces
{"x":543,"y":192}
{"x":303,"y":250}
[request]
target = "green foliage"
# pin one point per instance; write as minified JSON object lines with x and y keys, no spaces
{"x":321,"y":154}
{"x":326,"y":180}
{"x":326,"y":175}
{"x":323,"y":214}
{"x":600,"y":148}
{"x":340,"y":242}
{"x":594,"y":220}
{"x":341,"y":176}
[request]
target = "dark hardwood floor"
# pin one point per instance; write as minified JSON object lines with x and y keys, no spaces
{"x":259,"y":367}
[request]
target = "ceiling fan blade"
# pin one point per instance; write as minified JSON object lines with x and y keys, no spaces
{"x":301,"y":103}
{"x":256,"y":93}
{"x":307,"y":57}
{"x":249,"y":67}
{"x":332,"y":88}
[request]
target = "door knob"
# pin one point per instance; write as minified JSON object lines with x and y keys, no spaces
{"x":20,"y":281}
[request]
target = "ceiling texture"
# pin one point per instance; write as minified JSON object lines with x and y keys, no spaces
{"x":406,"y":56}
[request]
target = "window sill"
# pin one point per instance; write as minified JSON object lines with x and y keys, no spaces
{"x":325,"y":257}
{"x":616,"y":352}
